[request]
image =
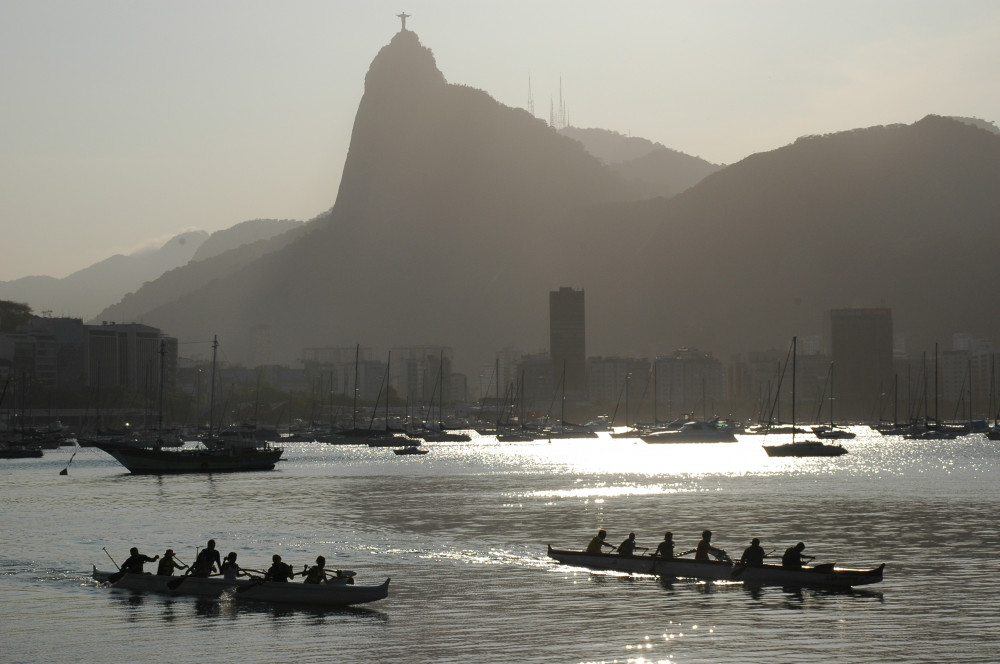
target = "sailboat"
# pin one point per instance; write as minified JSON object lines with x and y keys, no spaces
{"x":218,"y":453}
{"x":824,"y":431}
{"x":435,"y":432}
{"x":802,"y":448}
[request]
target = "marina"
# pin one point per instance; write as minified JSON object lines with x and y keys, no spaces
{"x":462,"y":533}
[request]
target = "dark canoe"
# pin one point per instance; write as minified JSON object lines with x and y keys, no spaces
{"x":319,"y":594}
{"x":820,"y":575}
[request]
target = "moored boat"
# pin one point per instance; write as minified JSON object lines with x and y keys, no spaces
{"x":19,"y":451}
{"x":827,"y":575}
{"x":232,"y":449}
{"x":321,"y":594}
{"x":800,"y":448}
{"x":700,"y":431}
{"x":804,"y":448}
{"x":409,"y":449}
{"x":214,"y":458}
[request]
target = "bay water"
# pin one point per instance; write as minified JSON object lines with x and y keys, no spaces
{"x":462,"y":532}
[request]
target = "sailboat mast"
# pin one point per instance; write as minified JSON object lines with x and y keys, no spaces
{"x":794,"y":353}
{"x":163,"y":355}
{"x":211,"y":388}
{"x":562,"y":413}
{"x":354,"y":416}
{"x":656,"y":370}
{"x":627,"y":377}
{"x":936,"y":420}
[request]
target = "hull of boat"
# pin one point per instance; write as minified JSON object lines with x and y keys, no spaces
{"x":690,"y":437}
{"x":808,"y":449}
{"x":18,"y":452}
{"x":405,"y":451}
{"x":151,"y":461}
{"x":319,"y":594}
{"x":820,"y":576}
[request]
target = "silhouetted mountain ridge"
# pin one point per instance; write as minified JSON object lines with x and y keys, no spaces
{"x":649,"y":168}
{"x":88,"y":290}
{"x":457,"y":215}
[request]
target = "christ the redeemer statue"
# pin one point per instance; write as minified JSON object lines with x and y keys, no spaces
{"x":403,"y":18}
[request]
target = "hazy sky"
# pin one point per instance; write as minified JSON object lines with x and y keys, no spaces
{"x":126,"y":122}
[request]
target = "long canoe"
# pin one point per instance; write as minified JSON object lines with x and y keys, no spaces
{"x":820,"y":575}
{"x":322,"y":594}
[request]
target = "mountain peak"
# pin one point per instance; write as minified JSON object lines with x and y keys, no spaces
{"x":403,"y":63}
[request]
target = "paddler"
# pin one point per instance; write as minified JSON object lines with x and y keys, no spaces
{"x":208,"y":561}
{"x":133,"y":564}
{"x":753,"y":555}
{"x":168,"y":563}
{"x":705,"y":548}
{"x":279,"y":571}
{"x":793,"y":557}
{"x":666,"y":548}
{"x":598,"y":542}
{"x":627,"y":548}
{"x":317,"y":573}
{"x":230,"y":570}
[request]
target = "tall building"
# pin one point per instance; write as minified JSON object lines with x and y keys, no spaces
{"x":567,"y":341}
{"x":861,"y":347}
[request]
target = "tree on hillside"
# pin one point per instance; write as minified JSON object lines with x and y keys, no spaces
{"x":13,"y":314}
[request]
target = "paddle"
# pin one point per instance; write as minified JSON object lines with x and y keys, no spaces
{"x":65,"y":471}
{"x":117,"y":575}
{"x":112,"y":559}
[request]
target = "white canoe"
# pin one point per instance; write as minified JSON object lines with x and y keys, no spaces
{"x":819,"y":575}
{"x":323,"y":594}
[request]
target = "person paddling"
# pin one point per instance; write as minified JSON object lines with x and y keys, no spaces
{"x":598,"y":542}
{"x":133,"y":564}
{"x":627,"y":548}
{"x":705,"y":548}
{"x":168,"y":563}
{"x":208,"y":561}
{"x":753,"y":555}
{"x":230,"y":570}
{"x":317,"y":573}
{"x":666,"y":548}
{"x":793,"y":557}
{"x":279,"y":571}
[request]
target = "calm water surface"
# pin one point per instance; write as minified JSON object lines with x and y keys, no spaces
{"x":462,"y":532}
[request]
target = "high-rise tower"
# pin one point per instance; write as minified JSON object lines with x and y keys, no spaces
{"x":567,"y":341}
{"x":861,"y":341}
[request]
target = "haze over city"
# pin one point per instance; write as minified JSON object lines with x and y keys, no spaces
{"x":127,"y":123}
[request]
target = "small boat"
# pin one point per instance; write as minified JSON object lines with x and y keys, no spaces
{"x":233,"y":449}
{"x":800,"y":448}
{"x":19,"y":451}
{"x":832,"y":433}
{"x":698,"y":431}
{"x":216,"y":457}
{"x":827,"y":575}
{"x":409,"y":449}
{"x":320,"y":594}
{"x":804,"y":448}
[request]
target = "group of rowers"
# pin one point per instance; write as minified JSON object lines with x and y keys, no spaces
{"x":753,"y":555}
{"x":209,"y":563}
